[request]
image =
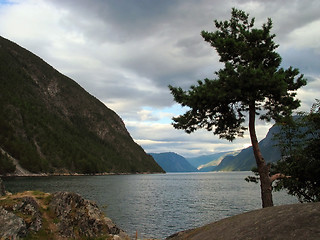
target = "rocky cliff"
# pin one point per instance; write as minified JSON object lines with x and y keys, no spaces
{"x":48,"y":123}
{"x":61,"y":215}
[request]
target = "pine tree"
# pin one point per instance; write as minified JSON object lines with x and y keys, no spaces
{"x":251,"y":82}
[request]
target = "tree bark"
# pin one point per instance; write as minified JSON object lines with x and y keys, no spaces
{"x":263,"y":169}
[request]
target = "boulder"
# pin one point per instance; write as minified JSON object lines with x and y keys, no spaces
{"x":18,"y":225}
{"x":296,"y":221}
{"x":74,"y":212}
{"x":11,"y":226}
{"x":29,"y":207}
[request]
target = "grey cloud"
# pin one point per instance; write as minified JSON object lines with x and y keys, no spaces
{"x":161,"y":39}
{"x":116,"y":88}
{"x":306,"y":59}
{"x":119,"y":20}
{"x":292,"y":15}
{"x":287,"y":15}
{"x":124,"y":21}
{"x":193,"y":47}
{"x":135,"y":49}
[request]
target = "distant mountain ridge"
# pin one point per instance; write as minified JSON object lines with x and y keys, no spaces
{"x":207,"y":163}
{"x":238,"y":160}
{"x":51,"y":124}
{"x":173,"y":162}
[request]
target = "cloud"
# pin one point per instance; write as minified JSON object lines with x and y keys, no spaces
{"x":126,"y":53}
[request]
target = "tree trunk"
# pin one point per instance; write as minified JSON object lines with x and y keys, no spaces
{"x":263,"y":169}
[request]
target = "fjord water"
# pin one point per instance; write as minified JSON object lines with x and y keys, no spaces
{"x":158,"y":205}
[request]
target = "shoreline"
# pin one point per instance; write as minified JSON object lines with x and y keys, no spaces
{"x":72,"y":174}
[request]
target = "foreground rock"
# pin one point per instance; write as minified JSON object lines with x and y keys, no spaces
{"x":61,"y":215}
{"x":297,"y":221}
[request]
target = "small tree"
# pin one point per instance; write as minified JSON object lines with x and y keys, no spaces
{"x":299,"y":140}
{"x":251,"y":81}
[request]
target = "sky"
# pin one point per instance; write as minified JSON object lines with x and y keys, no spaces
{"x":126,"y":53}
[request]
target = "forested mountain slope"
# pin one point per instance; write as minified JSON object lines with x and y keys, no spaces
{"x":51,"y":124}
{"x":172,"y":162}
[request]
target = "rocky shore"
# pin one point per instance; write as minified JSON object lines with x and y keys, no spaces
{"x":61,"y":215}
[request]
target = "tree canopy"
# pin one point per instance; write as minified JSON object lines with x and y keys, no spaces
{"x":251,"y":81}
{"x":299,"y":140}
{"x":251,"y":76}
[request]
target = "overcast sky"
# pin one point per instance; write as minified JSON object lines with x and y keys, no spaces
{"x":126,"y":53}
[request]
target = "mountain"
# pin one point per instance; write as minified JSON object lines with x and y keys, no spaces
{"x":245,"y":160}
{"x":48,"y":123}
{"x":172,"y":162}
{"x":211,"y":166}
{"x":207,"y":163}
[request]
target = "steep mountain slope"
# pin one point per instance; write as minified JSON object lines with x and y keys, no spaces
{"x":50,"y":124}
{"x":211,"y":166}
{"x":172,"y":162}
{"x":204,"y":159}
{"x":206,"y":163}
{"x":245,"y":160}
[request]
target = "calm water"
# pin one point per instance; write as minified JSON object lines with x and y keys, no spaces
{"x":161,"y":204}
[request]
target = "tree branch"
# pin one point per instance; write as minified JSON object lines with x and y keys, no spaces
{"x":278,"y":176}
